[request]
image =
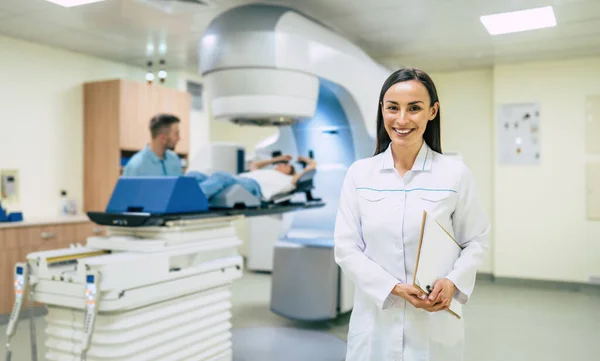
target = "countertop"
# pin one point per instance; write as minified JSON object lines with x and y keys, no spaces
{"x":46,"y":221}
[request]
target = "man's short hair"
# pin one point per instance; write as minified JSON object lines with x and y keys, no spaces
{"x":160,"y":122}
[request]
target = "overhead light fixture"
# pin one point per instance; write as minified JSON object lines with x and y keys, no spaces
{"x":149,"y":74}
{"x":162,"y":73}
{"x":516,"y":21}
{"x":71,"y":3}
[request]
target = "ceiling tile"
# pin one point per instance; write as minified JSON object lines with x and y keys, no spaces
{"x":34,"y":31}
{"x":96,"y":46}
{"x":546,"y":55}
{"x":426,"y":64}
{"x":173,"y":61}
{"x":442,"y":32}
{"x":577,"y":11}
{"x":565,"y":45}
{"x":27,"y":6}
{"x":5,"y":14}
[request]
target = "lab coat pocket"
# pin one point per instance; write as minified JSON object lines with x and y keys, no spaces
{"x":435,"y":197}
{"x":437,"y":203}
{"x":371,"y":203}
{"x":371,"y":195}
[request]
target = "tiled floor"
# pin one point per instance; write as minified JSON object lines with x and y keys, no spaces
{"x":504,"y":322}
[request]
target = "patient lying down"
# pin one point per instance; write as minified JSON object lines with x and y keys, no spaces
{"x":261,"y":181}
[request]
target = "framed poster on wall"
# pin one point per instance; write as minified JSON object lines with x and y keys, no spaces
{"x":518,"y":133}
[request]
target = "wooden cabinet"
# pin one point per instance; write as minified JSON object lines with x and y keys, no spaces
{"x":117,"y":117}
{"x":16,"y":242}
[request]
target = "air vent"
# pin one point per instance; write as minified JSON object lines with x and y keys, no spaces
{"x":195,"y":89}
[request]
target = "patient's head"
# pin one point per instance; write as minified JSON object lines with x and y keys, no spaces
{"x":285,"y":168}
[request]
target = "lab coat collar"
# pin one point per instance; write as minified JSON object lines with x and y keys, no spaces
{"x":423,"y":162}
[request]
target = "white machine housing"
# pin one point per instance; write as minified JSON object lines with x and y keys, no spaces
{"x":271,"y":65}
{"x":164,"y":293}
{"x":219,"y":156}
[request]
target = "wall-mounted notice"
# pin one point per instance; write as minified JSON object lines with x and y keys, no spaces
{"x":518,"y":133}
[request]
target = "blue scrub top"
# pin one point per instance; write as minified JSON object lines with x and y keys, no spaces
{"x":146,"y":163}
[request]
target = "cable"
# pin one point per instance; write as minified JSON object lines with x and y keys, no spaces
{"x":32,"y":329}
{"x":8,"y":352}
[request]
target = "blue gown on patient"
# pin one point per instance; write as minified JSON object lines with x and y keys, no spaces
{"x":218,"y":181}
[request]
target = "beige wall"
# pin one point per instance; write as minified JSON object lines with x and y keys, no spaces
{"x":41,"y":122}
{"x":466,"y":103}
{"x":541,"y":229}
{"x":538,"y":212}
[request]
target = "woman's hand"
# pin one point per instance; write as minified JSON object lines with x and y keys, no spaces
{"x":412,"y":295}
{"x":443,"y":292}
{"x":417,"y":298}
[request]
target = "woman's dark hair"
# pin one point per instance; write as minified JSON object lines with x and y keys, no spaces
{"x":432,"y":133}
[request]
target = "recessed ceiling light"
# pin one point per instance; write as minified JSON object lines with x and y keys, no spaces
{"x":523,"y":20}
{"x":71,"y":3}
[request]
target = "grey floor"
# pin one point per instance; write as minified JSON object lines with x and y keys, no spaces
{"x":504,"y":322}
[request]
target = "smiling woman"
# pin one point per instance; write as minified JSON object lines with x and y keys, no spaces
{"x":378,"y":229}
{"x":408,"y":102}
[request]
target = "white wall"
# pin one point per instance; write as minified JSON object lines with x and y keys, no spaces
{"x":199,"y":119}
{"x":538,"y":213}
{"x":541,"y":229}
{"x":466,"y":102}
{"x":41,"y":119}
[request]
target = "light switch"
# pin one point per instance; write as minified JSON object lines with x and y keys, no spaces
{"x":9,"y":185}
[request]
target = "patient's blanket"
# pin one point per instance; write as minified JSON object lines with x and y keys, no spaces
{"x":271,"y":181}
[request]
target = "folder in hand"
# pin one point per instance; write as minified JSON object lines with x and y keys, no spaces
{"x":436,"y":255}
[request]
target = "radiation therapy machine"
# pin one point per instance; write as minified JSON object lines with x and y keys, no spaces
{"x":157,"y":286}
{"x":267,"y":65}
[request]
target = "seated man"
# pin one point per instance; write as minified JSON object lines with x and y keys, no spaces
{"x":158,"y":158}
{"x":260,"y":181}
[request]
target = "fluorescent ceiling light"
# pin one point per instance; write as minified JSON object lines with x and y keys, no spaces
{"x":516,"y":21}
{"x":70,"y":3}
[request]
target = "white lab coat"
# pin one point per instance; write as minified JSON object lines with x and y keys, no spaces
{"x":376,"y":237}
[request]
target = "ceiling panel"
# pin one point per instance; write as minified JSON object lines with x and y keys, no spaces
{"x":460,"y":38}
{"x":566,"y":44}
{"x":34,"y":31}
{"x":443,"y":32}
{"x":578,"y":11}
{"x":547,"y":55}
{"x":124,"y":20}
{"x":325,"y":9}
{"x":26,"y":6}
{"x":5,"y":14}
{"x":435,"y":13}
{"x":427,"y":64}
{"x":95,"y":46}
